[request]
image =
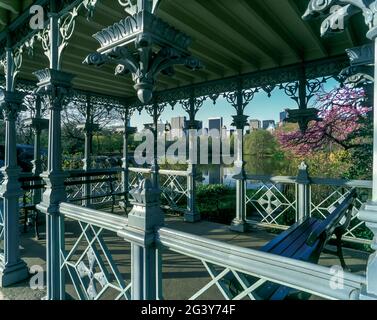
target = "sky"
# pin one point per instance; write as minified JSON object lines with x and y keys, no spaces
{"x":261,"y":107}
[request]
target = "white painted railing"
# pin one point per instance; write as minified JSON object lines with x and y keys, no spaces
{"x":173,"y":185}
{"x":303,"y":276}
{"x":87,"y":262}
{"x":95,"y":270}
{"x":274,"y":202}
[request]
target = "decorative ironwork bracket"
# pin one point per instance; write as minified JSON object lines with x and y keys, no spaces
{"x":134,"y":6}
{"x":158,"y":48}
{"x":337,"y":12}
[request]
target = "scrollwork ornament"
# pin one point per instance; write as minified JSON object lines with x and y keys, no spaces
{"x":240,"y":99}
{"x":336,"y":13}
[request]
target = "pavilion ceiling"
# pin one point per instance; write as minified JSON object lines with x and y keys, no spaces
{"x":230,"y":37}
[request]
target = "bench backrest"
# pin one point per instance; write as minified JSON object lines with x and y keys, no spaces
{"x":325,"y":230}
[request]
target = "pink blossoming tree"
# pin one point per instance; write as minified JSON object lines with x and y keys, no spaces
{"x":341,"y":111}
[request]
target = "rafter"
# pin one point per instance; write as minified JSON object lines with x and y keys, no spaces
{"x":12,"y":5}
{"x":249,"y":37}
{"x":263,"y":14}
{"x":210,"y":38}
{"x":314,"y":34}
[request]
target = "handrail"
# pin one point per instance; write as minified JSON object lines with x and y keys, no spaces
{"x":275,"y":179}
{"x":108,"y":221}
{"x":161,"y":172}
{"x":92,"y":172}
{"x":140,"y":170}
{"x":313,"y":181}
{"x":174,"y":173}
{"x":296,"y":274}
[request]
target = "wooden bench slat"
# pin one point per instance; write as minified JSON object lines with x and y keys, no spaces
{"x":270,"y":246}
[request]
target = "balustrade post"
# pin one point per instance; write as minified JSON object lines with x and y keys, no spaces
{"x":303,"y":193}
{"x":144,"y":219}
{"x":12,"y":268}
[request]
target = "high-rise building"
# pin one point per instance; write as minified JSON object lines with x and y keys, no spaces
{"x":271,"y":128}
{"x":254,"y":124}
{"x":178,"y":127}
{"x":283,"y":115}
{"x":268,"y":123}
{"x":215,"y":124}
{"x":199,"y":125}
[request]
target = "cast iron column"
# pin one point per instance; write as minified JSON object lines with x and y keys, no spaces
{"x":156,"y":113}
{"x":192,"y":106}
{"x":54,"y":86}
{"x":239,"y":101}
{"x":88,"y":132}
{"x":125,"y":165}
{"x":12,"y":268}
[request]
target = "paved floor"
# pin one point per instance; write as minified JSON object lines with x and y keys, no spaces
{"x":182,"y":276}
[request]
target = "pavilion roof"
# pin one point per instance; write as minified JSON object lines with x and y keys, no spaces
{"x":231,"y":38}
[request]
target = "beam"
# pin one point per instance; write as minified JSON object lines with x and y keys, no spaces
{"x":258,"y":79}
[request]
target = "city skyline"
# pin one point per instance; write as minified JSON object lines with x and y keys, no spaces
{"x":256,"y":109}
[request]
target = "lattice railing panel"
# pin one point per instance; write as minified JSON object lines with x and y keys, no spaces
{"x":272,"y":203}
{"x":174,"y":191}
{"x":325,"y":198}
{"x":101,"y":191}
{"x":74,"y":192}
{"x":93,"y":271}
{"x":135,"y":177}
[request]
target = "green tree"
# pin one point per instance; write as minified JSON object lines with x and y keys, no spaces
{"x":260,"y":142}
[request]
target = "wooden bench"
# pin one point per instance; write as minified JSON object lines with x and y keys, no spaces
{"x":86,"y":178}
{"x":304,"y":241}
{"x":29,"y":184}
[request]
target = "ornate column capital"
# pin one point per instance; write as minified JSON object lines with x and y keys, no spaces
{"x":192,"y":106}
{"x":11,"y":104}
{"x":240,"y":121}
{"x":240,"y":98}
{"x":54,"y":86}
